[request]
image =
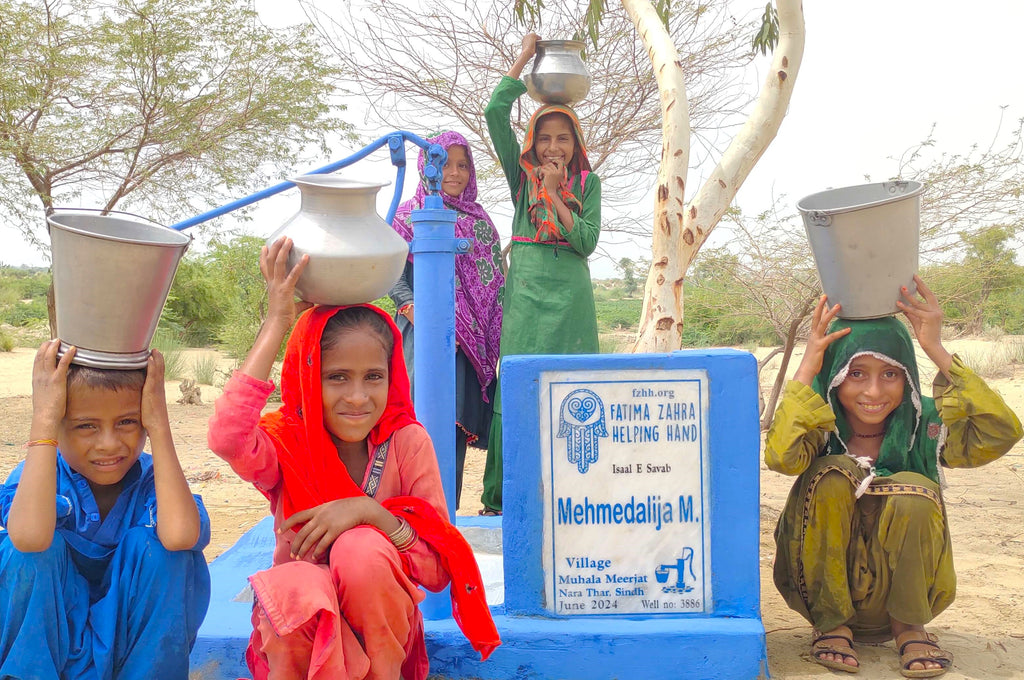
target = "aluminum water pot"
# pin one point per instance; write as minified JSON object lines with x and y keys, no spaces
{"x":354,"y":255}
{"x":559,"y":75}
{"x":111,"y":276}
{"x":865,"y":244}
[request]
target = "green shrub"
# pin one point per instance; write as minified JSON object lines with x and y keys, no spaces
{"x":171,"y":346}
{"x":204,"y":368}
{"x":6,"y":341}
{"x":618,"y":314}
{"x":24,"y":313}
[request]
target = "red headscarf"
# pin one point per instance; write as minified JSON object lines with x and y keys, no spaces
{"x":311,"y":472}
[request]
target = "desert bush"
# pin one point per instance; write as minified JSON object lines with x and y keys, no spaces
{"x":204,"y":368}
{"x":994,"y":333}
{"x":990,"y":364}
{"x":1014,"y":351}
{"x":172,"y":347}
{"x":6,"y":341}
{"x":609,"y":344}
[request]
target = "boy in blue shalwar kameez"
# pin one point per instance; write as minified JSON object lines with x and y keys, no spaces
{"x":102,"y":574}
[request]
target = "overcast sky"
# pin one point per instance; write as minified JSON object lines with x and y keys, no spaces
{"x":876,"y":75}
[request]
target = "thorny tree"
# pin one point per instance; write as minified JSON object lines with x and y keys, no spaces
{"x":160,"y":106}
{"x":435,"y":67}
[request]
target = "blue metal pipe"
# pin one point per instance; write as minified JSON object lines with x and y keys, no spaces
{"x":393,"y":139}
{"x":433,"y":249}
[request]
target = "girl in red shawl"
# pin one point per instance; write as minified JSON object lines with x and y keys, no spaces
{"x":354,"y":487}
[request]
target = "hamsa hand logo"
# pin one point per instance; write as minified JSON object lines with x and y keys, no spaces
{"x":581,"y":423}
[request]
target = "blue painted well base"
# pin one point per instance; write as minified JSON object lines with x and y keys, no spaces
{"x":580,"y":648}
{"x":605,"y":649}
{"x":577,"y":649}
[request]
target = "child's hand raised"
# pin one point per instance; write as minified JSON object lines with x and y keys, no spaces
{"x":925,"y":315}
{"x":525,"y":54}
{"x":925,"y":318}
{"x":530,"y":44}
{"x":281,"y":306}
{"x":818,"y":340}
{"x":324,"y":523}
{"x":49,"y":388}
{"x":154,"y":399}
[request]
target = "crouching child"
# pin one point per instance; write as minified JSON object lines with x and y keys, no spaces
{"x":102,"y":573}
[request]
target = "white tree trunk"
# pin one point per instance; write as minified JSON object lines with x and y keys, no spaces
{"x":680,"y":230}
{"x":661,"y":294}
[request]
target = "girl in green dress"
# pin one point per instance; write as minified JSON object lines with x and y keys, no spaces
{"x":863,"y":545}
{"x":548,"y":302}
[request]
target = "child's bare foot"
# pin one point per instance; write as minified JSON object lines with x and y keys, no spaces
{"x":834,"y":650}
{"x":919,"y":651}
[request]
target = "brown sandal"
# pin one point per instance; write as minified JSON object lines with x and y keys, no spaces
{"x":936,"y":655}
{"x":821,"y":646}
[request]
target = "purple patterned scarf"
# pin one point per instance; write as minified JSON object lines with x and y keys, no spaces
{"x":478,"y":277}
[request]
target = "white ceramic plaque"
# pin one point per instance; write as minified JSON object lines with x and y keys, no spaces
{"x":624,"y":469}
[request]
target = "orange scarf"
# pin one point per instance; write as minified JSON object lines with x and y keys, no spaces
{"x":540,"y":206}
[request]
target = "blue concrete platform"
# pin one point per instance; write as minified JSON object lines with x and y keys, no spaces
{"x":583,"y":648}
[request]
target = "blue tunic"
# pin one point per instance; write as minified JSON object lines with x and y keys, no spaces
{"x":106,"y":600}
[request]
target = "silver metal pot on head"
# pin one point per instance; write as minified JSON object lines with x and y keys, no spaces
{"x":559,"y":75}
{"x":111,"y":276}
{"x":354,"y":255}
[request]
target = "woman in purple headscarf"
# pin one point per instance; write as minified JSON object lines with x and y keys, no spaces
{"x":478,"y":286}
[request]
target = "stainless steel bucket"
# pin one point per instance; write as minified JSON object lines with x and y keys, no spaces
{"x":111,"y":276}
{"x":865,"y":244}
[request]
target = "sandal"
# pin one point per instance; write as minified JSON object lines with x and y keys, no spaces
{"x":489,"y":512}
{"x":936,"y":655}
{"x":821,"y":646}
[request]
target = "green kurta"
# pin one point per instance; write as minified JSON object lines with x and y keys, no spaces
{"x":548,"y":304}
{"x":857,"y":561}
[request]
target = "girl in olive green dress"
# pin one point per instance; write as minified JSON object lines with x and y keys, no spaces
{"x":863,"y":545}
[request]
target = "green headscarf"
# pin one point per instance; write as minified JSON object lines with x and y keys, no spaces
{"x":909,"y":444}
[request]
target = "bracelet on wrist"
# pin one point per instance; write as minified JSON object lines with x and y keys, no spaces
{"x":41,"y":442}
{"x":404,"y":537}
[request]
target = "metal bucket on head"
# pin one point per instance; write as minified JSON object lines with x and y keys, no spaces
{"x":865,"y":244}
{"x":111,"y":277}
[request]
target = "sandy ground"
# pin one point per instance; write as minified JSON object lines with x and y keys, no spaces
{"x":984,"y":628}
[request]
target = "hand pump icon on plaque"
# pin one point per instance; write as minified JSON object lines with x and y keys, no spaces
{"x":683,"y":565}
{"x":581,"y":424}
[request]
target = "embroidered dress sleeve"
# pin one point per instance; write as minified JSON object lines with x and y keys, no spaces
{"x":497,"y":114}
{"x":234,"y":432}
{"x":981,"y":427}
{"x":586,"y":227}
{"x":799,"y":430}
{"x":421,"y":477}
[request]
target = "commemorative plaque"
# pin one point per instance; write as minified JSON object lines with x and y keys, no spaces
{"x":624,"y":466}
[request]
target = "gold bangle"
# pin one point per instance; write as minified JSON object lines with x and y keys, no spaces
{"x":41,"y":442}
{"x":404,"y":537}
